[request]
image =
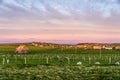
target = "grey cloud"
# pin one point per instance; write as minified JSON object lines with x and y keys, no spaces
{"x":89,"y":11}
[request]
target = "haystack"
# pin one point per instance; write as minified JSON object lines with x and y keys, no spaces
{"x":22,"y":49}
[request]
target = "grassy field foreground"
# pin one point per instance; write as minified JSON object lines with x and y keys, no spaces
{"x":41,"y":72}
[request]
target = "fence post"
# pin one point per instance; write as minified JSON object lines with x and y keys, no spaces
{"x":68,"y":59}
{"x":84,"y":59}
{"x":89,"y":60}
{"x":110,"y":60}
{"x":15,"y":58}
{"x":3,"y":61}
{"x":46,"y":60}
{"x":8,"y":61}
{"x":25,"y":60}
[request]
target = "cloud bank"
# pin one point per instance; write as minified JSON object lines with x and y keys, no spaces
{"x":84,"y":20}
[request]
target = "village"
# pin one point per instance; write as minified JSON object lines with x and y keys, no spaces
{"x":81,"y":46}
{"x":99,"y":46}
{"x":24,"y":49}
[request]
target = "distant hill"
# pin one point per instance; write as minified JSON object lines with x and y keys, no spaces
{"x":45,"y":43}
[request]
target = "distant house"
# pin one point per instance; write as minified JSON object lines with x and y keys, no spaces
{"x":81,"y":46}
{"x":89,"y":47}
{"x":85,"y":46}
{"x":41,"y":46}
{"x":35,"y":44}
{"x":108,"y":47}
{"x":97,"y":47}
{"x":117,"y":47}
{"x":70,"y":46}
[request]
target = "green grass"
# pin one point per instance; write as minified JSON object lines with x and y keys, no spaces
{"x":58,"y":64}
{"x":40,"y":72}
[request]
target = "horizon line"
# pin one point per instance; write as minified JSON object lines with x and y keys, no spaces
{"x":60,"y":43}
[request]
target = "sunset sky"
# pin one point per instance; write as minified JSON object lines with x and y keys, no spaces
{"x":60,"y":21}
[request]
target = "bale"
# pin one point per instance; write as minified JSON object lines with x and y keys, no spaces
{"x":22,"y":49}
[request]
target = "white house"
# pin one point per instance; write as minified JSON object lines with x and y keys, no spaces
{"x":117,"y":47}
{"x":108,"y":47}
{"x":97,"y":47}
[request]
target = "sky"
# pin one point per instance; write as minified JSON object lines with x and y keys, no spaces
{"x":60,"y":21}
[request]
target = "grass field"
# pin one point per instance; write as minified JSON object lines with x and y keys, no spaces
{"x":59,"y":64}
